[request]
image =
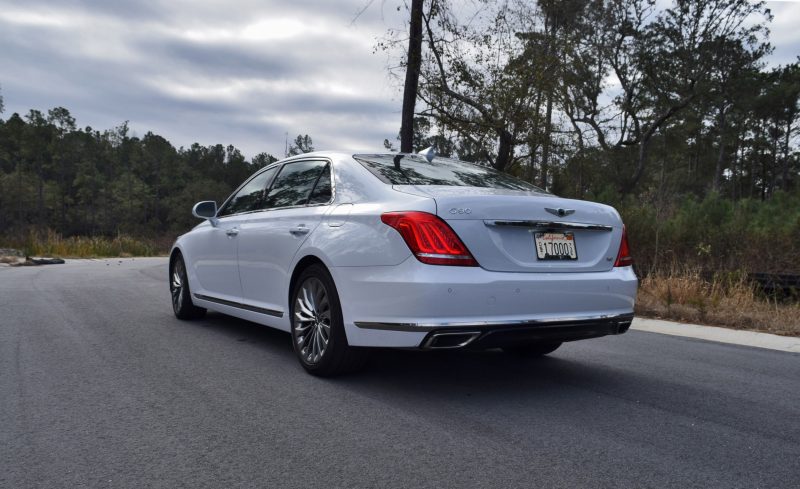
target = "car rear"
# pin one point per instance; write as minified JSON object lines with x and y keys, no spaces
{"x":499,"y":262}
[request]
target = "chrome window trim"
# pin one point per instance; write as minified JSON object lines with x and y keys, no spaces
{"x":548,"y":225}
{"x":425,"y":327}
{"x":317,"y":158}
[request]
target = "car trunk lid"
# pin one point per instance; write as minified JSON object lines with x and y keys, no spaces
{"x":499,"y":227}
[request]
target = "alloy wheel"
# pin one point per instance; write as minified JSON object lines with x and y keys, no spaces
{"x":176,"y":285}
{"x":312,"y":320}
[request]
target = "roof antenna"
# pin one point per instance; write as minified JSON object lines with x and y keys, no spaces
{"x":429,"y":153}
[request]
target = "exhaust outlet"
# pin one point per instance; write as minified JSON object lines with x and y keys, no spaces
{"x":443,"y":341}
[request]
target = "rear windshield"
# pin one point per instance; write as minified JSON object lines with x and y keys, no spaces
{"x":415,"y":170}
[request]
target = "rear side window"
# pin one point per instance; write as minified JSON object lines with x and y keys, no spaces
{"x":250,"y":197}
{"x":294,"y":183}
{"x":323,"y":191}
{"x":416,"y":170}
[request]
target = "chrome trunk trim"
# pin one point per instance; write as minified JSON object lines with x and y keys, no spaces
{"x":548,"y":225}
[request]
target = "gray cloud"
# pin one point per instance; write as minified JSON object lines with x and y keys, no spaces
{"x":205,"y":72}
{"x":244,"y":72}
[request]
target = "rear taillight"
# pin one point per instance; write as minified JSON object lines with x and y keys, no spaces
{"x":430,"y":239}
{"x":624,"y":258}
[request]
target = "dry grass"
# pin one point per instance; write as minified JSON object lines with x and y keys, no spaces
{"x":52,"y":244}
{"x":728,"y":300}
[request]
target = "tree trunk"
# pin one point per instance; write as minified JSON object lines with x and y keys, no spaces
{"x":546,"y":143}
{"x":532,"y":165}
{"x":40,"y":192}
{"x":785,"y":169}
{"x":412,"y":77}
{"x":504,"y":148}
{"x":736,"y":171}
{"x":19,"y":189}
{"x":721,"y":155}
{"x":774,"y":165}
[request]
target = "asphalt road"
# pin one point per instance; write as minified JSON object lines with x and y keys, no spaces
{"x":100,"y":386}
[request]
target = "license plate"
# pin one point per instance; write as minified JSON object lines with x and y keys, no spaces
{"x":555,"y":246}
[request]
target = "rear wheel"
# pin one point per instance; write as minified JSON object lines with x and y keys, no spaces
{"x":318,"y":335}
{"x":182,"y":304}
{"x":532,"y":350}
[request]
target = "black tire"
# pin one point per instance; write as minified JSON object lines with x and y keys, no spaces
{"x":315,"y":298}
{"x":532,"y":350}
{"x":181,"y":296}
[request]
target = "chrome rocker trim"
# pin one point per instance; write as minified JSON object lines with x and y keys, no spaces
{"x":239,"y":305}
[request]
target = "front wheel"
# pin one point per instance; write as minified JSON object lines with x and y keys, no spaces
{"x":532,"y":350}
{"x":318,"y":335}
{"x":182,"y":304}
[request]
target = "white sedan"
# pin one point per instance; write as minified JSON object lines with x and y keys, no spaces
{"x":407,"y":251}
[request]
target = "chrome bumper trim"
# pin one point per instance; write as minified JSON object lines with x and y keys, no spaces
{"x":425,"y":327}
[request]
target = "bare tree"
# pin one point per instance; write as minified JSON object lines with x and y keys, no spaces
{"x":413,"y":62}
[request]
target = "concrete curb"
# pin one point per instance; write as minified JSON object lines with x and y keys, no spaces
{"x":721,"y":335}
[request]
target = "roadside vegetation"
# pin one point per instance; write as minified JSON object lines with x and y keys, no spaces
{"x":724,"y":299}
{"x":52,"y":244}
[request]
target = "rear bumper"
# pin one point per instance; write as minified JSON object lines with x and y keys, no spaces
{"x":405,"y":305}
{"x":482,"y":337}
{"x":498,"y":334}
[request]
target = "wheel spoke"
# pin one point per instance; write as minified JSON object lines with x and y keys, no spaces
{"x":324,"y":335}
{"x":315,"y":344}
{"x":307,"y":295}
{"x":304,"y":309}
{"x":325,"y":325}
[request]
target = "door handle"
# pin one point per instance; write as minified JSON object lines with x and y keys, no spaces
{"x":232,"y":232}
{"x":299,"y":230}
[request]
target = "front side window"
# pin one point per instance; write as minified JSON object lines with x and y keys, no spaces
{"x":293,"y":185}
{"x":416,"y":170}
{"x":250,"y":197}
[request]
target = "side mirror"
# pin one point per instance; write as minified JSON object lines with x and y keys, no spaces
{"x":206,"y":210}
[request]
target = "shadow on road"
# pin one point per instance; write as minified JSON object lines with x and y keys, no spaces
{"x":441,"y":374}
{"x":247,"y":331}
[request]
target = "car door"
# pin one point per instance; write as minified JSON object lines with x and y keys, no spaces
{"x":298,"y":198}
{"x":215,"y":248}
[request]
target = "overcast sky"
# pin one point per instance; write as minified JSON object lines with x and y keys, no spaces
{"x":241,"y":72}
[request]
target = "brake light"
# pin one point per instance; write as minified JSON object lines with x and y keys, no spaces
{"x":430,"y":239}
{"x":624,"y":258}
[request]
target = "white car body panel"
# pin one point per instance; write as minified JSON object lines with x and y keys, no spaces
{"x":214,"y":259}
{"x":268,"y":243}
{"x":388,"y":297}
